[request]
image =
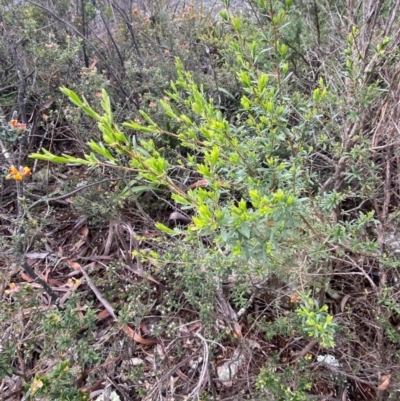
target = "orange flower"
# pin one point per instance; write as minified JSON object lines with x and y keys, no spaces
{"x":13,"y":170}
{"x":17,"y":175}
{"x":15,"y":124}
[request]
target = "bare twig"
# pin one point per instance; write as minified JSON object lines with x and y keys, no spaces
{"x":103,"y":301}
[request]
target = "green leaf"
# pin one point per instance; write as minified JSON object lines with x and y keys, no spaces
{"x":166,"y":229}
{"x":138,"y":189}
{"x":262,"y":82}
{"x":139,"y":127}
{"x":168,"y":109}
{"x":73,"y":97}
{"x":181,"y":200}
{"x":106,"y":104}
{"x":245,"y":230}
{"x":227,"y":93}
{"x":99,"y":148}
{"x":90,"y":112}
{"x":147,"y":118}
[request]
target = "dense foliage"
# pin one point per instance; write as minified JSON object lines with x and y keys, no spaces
{"x":236,"y":212}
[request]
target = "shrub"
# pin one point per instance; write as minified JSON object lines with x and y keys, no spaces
{"x":295,"y":185}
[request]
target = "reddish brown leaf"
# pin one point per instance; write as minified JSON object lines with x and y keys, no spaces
{"x":93,"y":64}
{"x":237,"y":330}
{"x":194,"y":326}
{"x":103,"y":314}
{"x":46,"y":274}
{"x":26,"y":277}
{"x":55,"y":283}
{"x":84,"y":232}
{"x":385,"y":384}
{"x":137,"y":337}
{"x":75,"y":265}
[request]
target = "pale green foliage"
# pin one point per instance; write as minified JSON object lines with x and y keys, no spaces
{"x":273,"y":385}
{"x":317,"y":322}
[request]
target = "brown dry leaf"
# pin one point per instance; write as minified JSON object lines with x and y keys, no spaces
{"x":385,"y":384}
{"x":237,"y":330}
{"x":103,"y":314}
{"x":137,"y":337}
{"x":26,"y":277}
{"x":93,"y":64}
{"x":144,"y":328}
{"x":46,"y":274}
{"x":55,"y":283}
{"x":194,"y":326}
{"x":199,"y":183}
{"x":78,"y":245}
{"x":84,"y":232}
{"x":75,"y":265}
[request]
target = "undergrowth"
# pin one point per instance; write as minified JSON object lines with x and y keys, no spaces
{"x":237,"y":241}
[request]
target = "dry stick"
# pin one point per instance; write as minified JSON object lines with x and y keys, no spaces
{"x":103,"y":301}
{"x":65,"y":196}
{"x":203,"y":372}
{"x":110,"y":35}
{"x":392,"y":18}
{"x":82,"y":10}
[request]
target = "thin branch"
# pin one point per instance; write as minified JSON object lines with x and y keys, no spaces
{"x":102,"y":300}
